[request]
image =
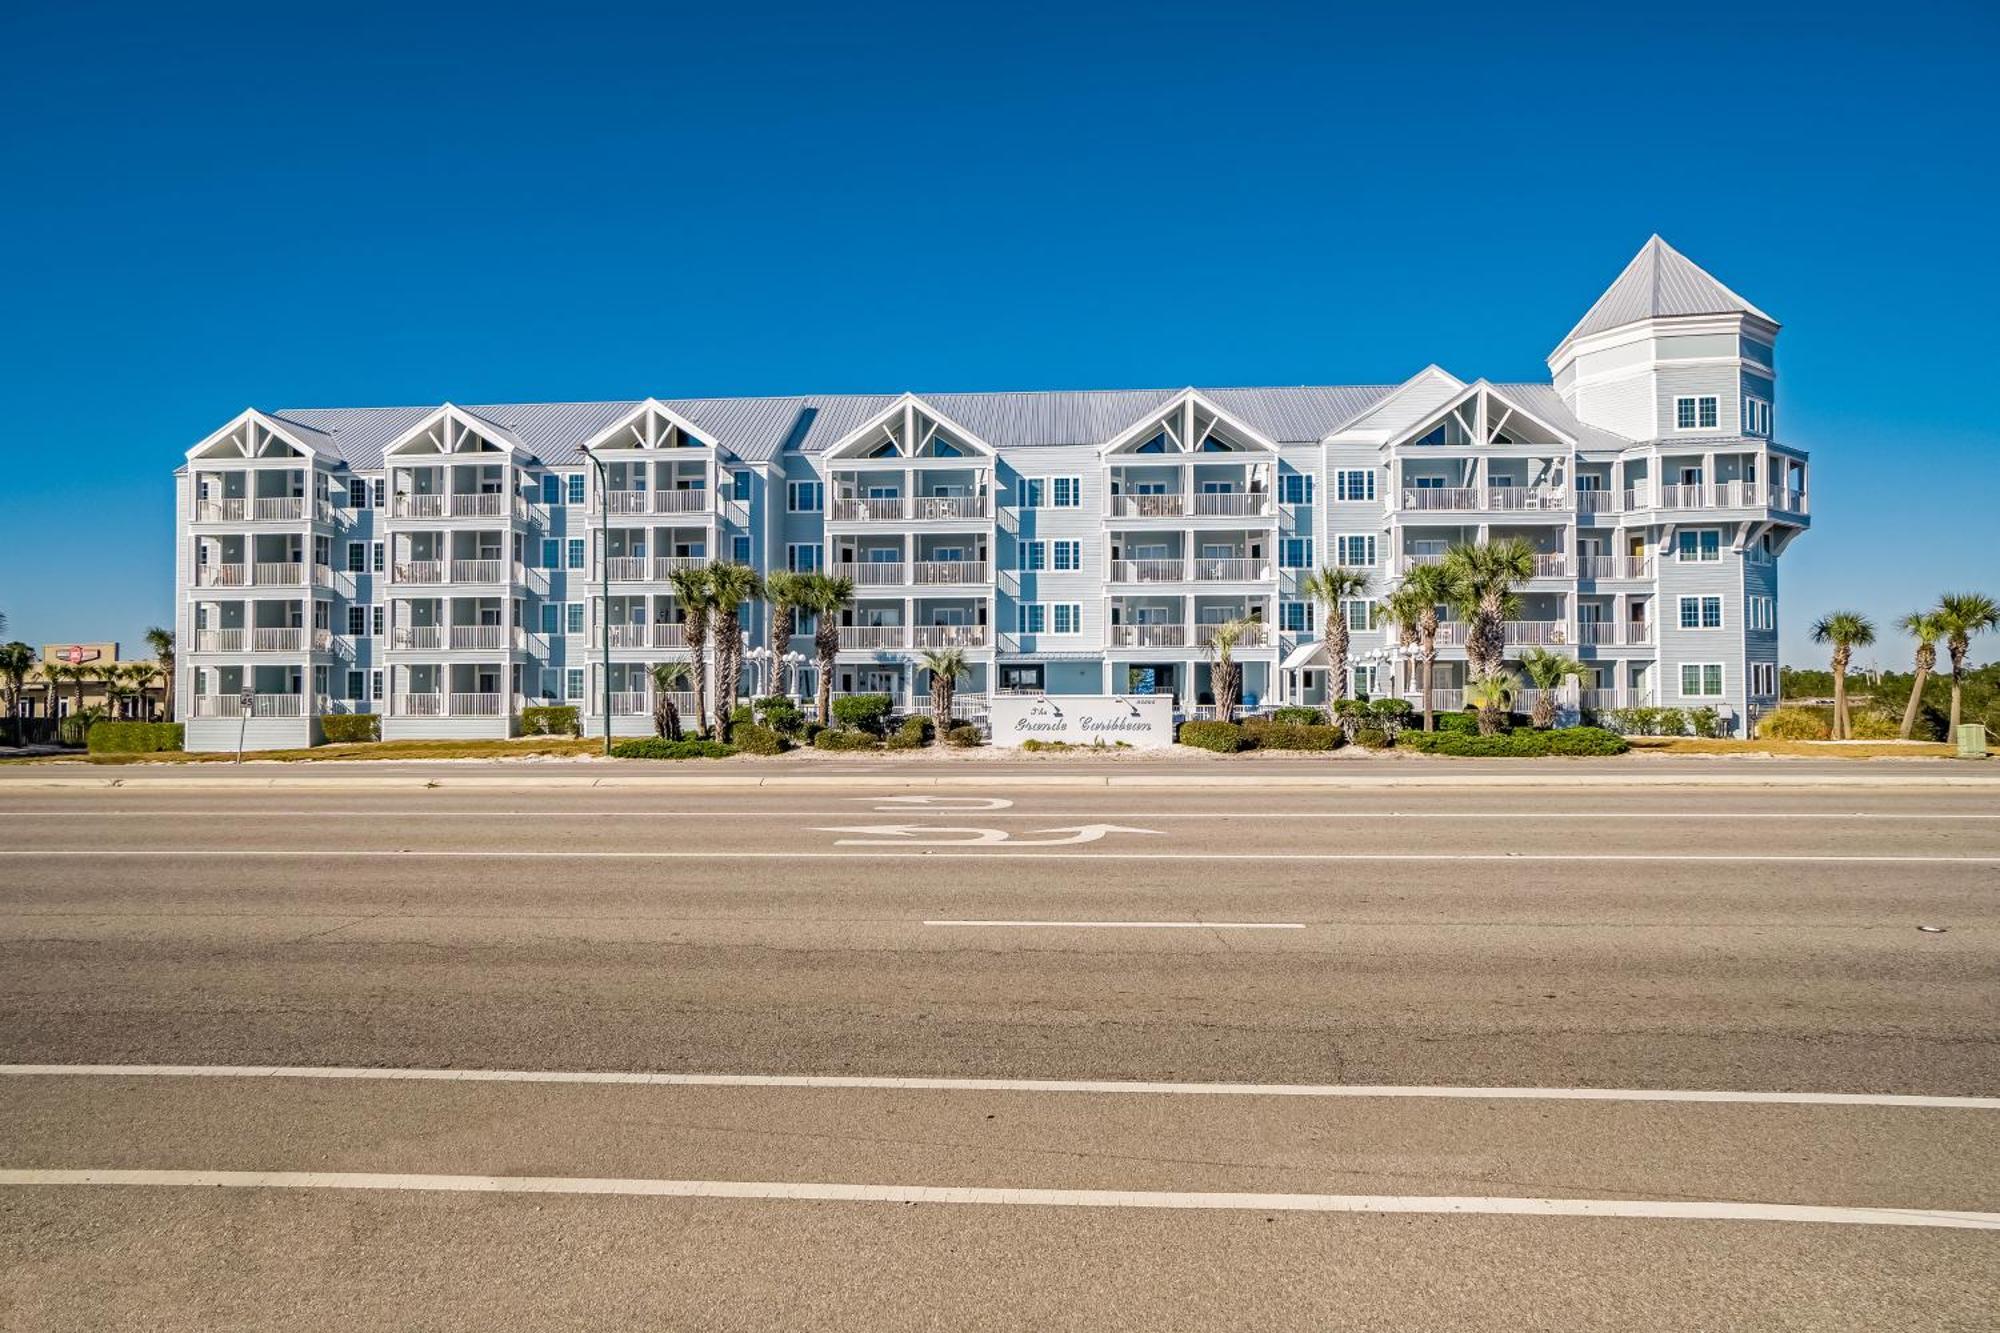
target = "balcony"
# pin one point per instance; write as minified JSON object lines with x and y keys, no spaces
{"x":1716,"y":495}
{"x":872,"y":573}
{"x":1536,"y":633}
{"x":668,"y":634}
{"x":1149,"y":636}
{"x":627,"y":568}
{"x":1230,"y":569}
{"x":1516,"y":499}
{"x":219,"y":640}
{"x":478,"y":636}
{"x":277,"y":640}
{"x":419,"y":571}
{"x":680,"y":501}
{"x":417,"y":636}
{"x":1501,"y":499}
{"x":1148,"y":571}
{"x":478,"y":571}
{"x":948,"y":636}
{"x":450,"y":705}
{"x":1256,"y":635}
{"x":1596,"y":502}
{"x":1551,"y":566}
{"x":1614,"y":567}
{"x":914,"y":508}
{"x":242,"y":509}
{"x":453,"y":504}
{"x":1231,"y":504}
{"x":665,"y":566}
{"x":867,"y":637}
{"x":627,"y":635}
{"x":1160,"y":505}
{"x":261,"y":705}
{"x":951,"y":571}
{"x":1435,"y":498}
{"x":1609,"y":633}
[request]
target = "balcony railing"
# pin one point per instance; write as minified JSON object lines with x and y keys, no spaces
{"x":669,"y":634}
{"x":474,"y":705}
{"x":871,"y":636}
{"x":451,"y":504}
{"x":872,"y":573}
{"x":628,"y":568}
{"x":218,"y":640}
{"x":1409,"y":560}
{"x":1614,"y":567}
{"x":679,"y":500}
{"x":1516,"y":498}
{"x":628,"y":635}
{"x":951,"y":571}
{"x":1231,"y":504}
{"x":915,"y":508}
{"x":285,"y":573}
{"x":478,"y":636}
{"x":1443,"y":700}
{"x":478,"y":571}
{"x":417,"y":636}
{"x":1149,"y":636}
{"x":1253,"y":636}
{"x":419,"y":571}
{"x":948,"y":636}
{"x":280,"y":640}
{"x":665,"y":566}
{"x":1229,"y":569}
{"x":1440,"y":497}
{"x":261,"y":705}
{"x":1595,"y":501}
{"x":949,"y":508}
{"x":885,"y":509}
{"x":263,"y":509}
{"x":1166,"y":504}
{"x":631,"y":703}
{"x":1551,"y":566}
{"x":1536,"y":633}
{"x":1148,"y":571}
{"x":1715,"y":495}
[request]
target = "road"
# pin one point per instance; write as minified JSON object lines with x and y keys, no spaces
{"x":999,"y":1057}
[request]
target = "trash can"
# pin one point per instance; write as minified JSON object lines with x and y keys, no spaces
{"x":1971,"y":741}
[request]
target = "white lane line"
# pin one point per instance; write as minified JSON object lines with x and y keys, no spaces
{"x":1650,"y":815}
{"x":997,"y":852}
{"x":923,"y":1083}
{"x":1673,"y":1209}
{"x":1138,"y":925}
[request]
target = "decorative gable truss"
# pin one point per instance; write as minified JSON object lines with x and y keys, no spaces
{"x":909,"y":428}
{"x":256,"y":435}
{"x":451,"y":431}
{"x":1189,"y":424}
{"x":650,"y":425}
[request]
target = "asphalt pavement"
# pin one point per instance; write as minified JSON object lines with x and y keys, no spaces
{"x":1569,"y":1055}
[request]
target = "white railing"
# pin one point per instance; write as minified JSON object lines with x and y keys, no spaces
{"x":1410,"y":560}
{"x":885,"y":510}
{"x":1525,"y":497}
{"x":627,"y":568}
{"x":478,"y":636}
{"x":474,"y":705}
{"x":1231,"y":504}
{"x":420,"y":705}
{"x":1595,"y":501}
{"x":1229,"y":569}
{"x":951,"y":571}
{"x":417,"y":636}
{"x":1551,"y":566}
{"x":948,"y":636}
{"x":487,"y":504}
{"x":286,"y":573}
{"x":261,"y":705}
{"x":665,"y":566}
{"x":629,"y":703}
{"x":1167,"y":504}
{"x":478,"y":571}
{"x":1599,"y":700}
{"x":1149,"y":636}
{"x":419,"y":571}
{"x":871,"y":636}
{"x":432,"y":505}
{"x":627,"y":635}
{"x":1790,"y":501}
{"x":278,"y":509}
{"x":223,"y":509}
{"x":669,"y":634}
{"x":1614,"y":567}
{"x":1451,"y":633}
{"x":1536,"y":633}
{"x":872,"y":573}
{"x":1253,"y":636}
{"x":681,"y":500}
{"x":1440,"y":497}
{"x":1637,"y":635}
{"x":1597,"y":631}
{"x":278,"y":640}
{"x":1638,"y":497}
{"x":949,"y":508}
{"x":218,"y":640}
{"x":1148,"y":571}
{"x":628,"y":502}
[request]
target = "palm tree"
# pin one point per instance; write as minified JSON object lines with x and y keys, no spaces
{"x":1332,"y":588}
{"x":1426,"y":588}
{"x":946,"y":665}
{"x":826,"y":595}
{"x":695,"y":593}
{"x":668,"y":677}
{"x":1926,"y":627}
{"x":1485,"y":577}
{"x":1845,"y":631}
{"x":1962,"y":615}
{"x":161,"y":641}
{"x":1493,"y":695}
{"x":783,"y":590}
{"x":731,"y":585}
{"x":1226,"y":676}
{"x":16,"y":660}
{"x":1546,"y":671}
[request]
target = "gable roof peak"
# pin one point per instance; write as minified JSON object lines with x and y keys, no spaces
{"x":1660,"y":283}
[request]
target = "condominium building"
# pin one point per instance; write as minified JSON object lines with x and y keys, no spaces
{"x":445,"y":566}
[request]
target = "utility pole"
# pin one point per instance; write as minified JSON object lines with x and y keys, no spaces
{"x":604,"y":590}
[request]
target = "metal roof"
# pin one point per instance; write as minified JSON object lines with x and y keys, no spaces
{"x":1660,"y":282}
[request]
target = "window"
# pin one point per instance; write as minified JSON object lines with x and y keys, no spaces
{"x":1354,"y":484}
{"x":1360,"y":614}
{"x":375,"y":621}
{"x":1354,"y":550}
{"x":379,"y":554}
{"x":1756,"y":417}
{"x":1295,"y":553}
{"x":357,"y":682}
{"x":551,"y":683}
{"x":576,"y":488}
{"x":1698,"y":544}
{"x":1069,"y":556}
{"x":1363,"y":685}
{"x":1701,"y":613}
{"x":576,"y":553}
{"x":552,"y":489}
{"x":802,"y":557}
{"x":1068,"y":492}
{"x":357,"y":622}
{"x":739,"y":547}
{"x":551,"y":618}
{"x":1296,"y":617}
{"x":573,"y":686}
{"x":357,"y":557}
{"x":375,"y":685}
{"x":573,"y":617}
{"x":1764,"y":679}
{"x":1696,"y":413}
{"x":1033,"y":556}
{"x":739,"y":485}
{"x":1033,"y":617}
{"x":805,"y":497}
{"x":551,"y":553}
{"x":357,"y":498}
{"x":1295,"y":488}
{"x":1701,"y":680}
{"x":1031,"y":493}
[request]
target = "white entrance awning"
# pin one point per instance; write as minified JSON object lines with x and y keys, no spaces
{"x":1305,"y":655}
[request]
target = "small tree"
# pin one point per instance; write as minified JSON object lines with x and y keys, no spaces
{"x":1484,"y":577}
{"x":1962,"y":615}
{"x":696,"y":593}
{"x":1844,"y":631}
{"x":731,"y":585}
{"x":1546,"y":671}
{"x":946,"y":665}
{"x":826,"y":596}
{"x":1226,"y":676}
{"x":1926,"y":627}
{"x":1493,"y":695}
{"x":668,"y":678}
{"x":16,"y":660}
{"x":161,"y":640}
{"x":785,"y":592}
{"x":1333,"y":588}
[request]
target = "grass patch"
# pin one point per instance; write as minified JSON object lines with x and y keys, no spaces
{"x":1793,"y":749}
{"x":562,"y":747}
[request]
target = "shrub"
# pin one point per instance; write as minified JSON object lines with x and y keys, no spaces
{"x":1300,"y":715}
{"x":965,"y":737}
{"x":1372,"y":738}
{"x":836,"y":738}
{"x":1673,"y":722}
{"x":1221,"y":737}
{"x":781,"y":715}
{"x":863,"y":712}
{"x":133,"y":737}
{"x":913,"y":734}
{"x":347,"y":728}
{"x":1516,"y":744}
{"x":810,"y":732}
{"x":753,"y":739}
{"x":1294,"y":736}
{"x":1793,"y":724}
{"x":1706,"y":723}
{"x":742,"y":715}
{"x":75,"y":729}
{"x":655,"y":747}
{"x":1875,"y":725}
{"x":1391,"y":715}
{"x":1463,"y":724}
{"x":549,"y":720}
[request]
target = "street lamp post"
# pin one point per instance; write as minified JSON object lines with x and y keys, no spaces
{"x":604,"y":590}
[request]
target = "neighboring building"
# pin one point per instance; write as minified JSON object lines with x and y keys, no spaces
{"x":96,"y":674}
{"x":442,"y":565}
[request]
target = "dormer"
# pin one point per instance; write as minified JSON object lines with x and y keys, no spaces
{"x":1668,"y":352}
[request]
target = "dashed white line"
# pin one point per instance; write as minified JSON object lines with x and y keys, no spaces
{"x":1136,"y":925}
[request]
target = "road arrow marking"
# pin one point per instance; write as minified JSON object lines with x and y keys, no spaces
{"x":953,"y":804}
{"x":905,"y":835}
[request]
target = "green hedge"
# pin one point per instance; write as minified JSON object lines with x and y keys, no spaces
{"x":1300,"y":715}
{"x":863,"y":712}
{"x":655,"y":747}
{"x":1282,"y":735}
{"x":781,"y":715}
{"x":1515,"y":744}
{"x":835,"y":738}
{"x":966,"y":737}
{"x":551,"y":720}
{"x":1221,"y":737}
{"x":1373,"y":738}
{"x":134,"y":737}
{"x":914,"y":734}
{"x":1794,"y":724}
{"x":347,"y":728}
{"x":753,"y":739}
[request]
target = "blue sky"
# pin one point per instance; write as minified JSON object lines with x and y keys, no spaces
{"x":251,"y":205}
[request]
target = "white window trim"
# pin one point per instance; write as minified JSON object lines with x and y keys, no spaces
{"x":1075,"y":548}
{"x":1722,"y":679}
{"x":1025,"y":554}
{"x":1697,"y":399}
{"x":813,"y":489}
{"x":1340,"y":486}
{"x":1680,"y":610}
{"x":1697,"y":558}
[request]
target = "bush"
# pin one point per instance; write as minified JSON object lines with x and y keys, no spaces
{"x":753,"y":739}
{"x":1673,"y":722}
{"x":1293,"y":736}
{"x":836,"y":738}
{"x":75,"y":729}
{"x":1793,"y":724}
{"x":548,"y":720}
{"x":810,"y":732}
{"x":1372,"y":738}
{"x":742,"y":715}
{"x":1221,"y":737}
{"x":965,"y":737}
{"x":134,"y":737}
{"x":655,"y":747}
{"x":1462,"y":724}
{"x":1300,"y":715}
{"x":1706,"y":723}
{"x":1516,"y":744}
{"x":863,"y":712}
{"x":1875,"y":725}
{"x":914,"y":734}
{"x":1391,"y":715}
{"x":781,"y":715}
{"x":348,"y":728}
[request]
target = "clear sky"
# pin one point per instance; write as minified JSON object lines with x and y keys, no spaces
{"x":263,"y":206}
